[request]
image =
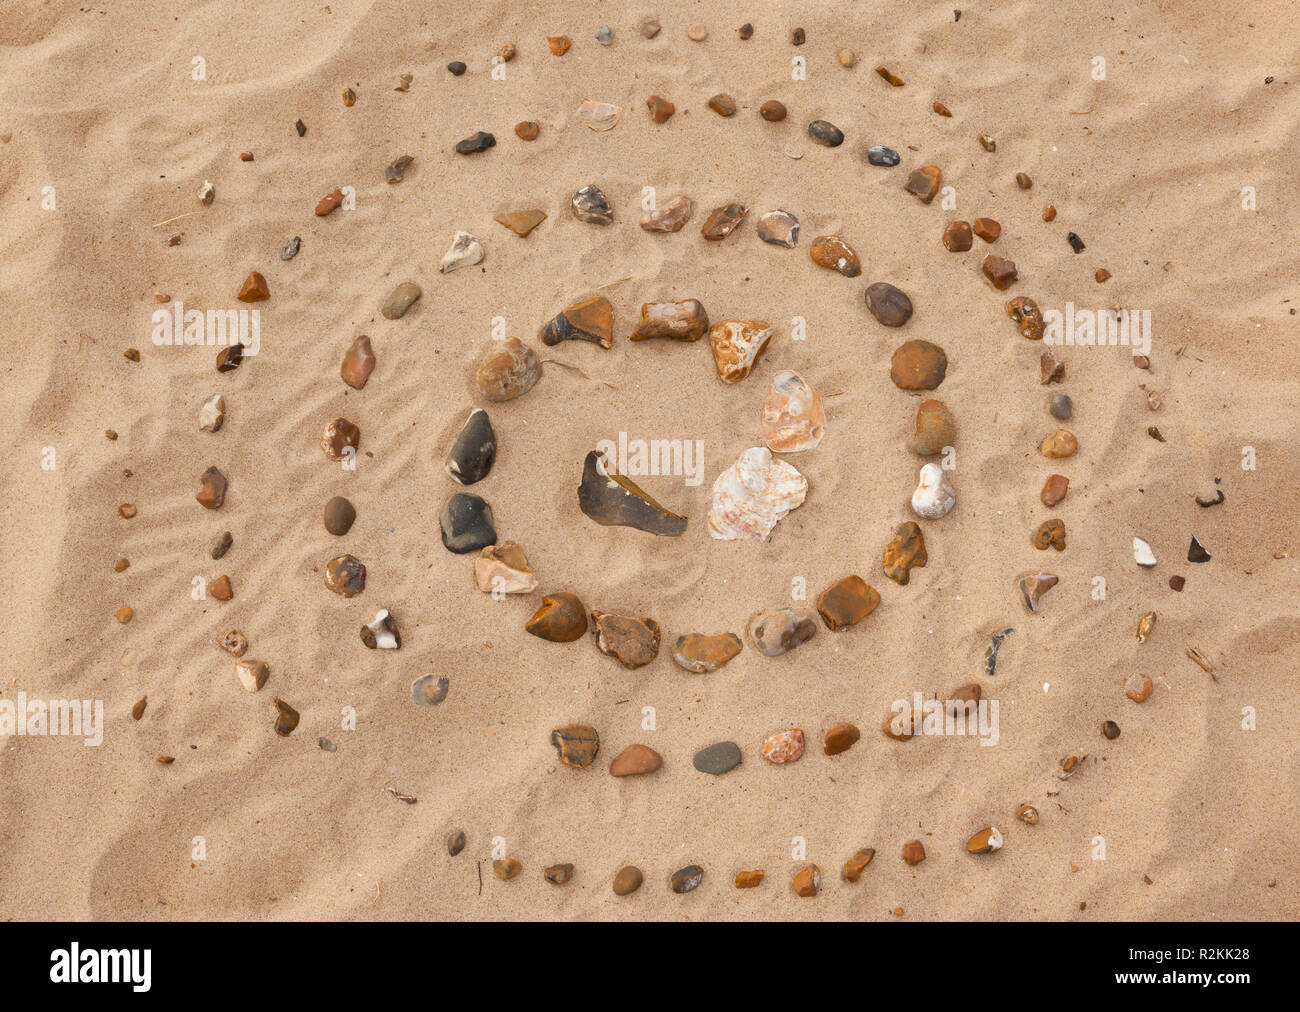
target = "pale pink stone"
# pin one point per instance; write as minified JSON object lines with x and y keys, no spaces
{"x":793,"y":418}
{"x":752,"y":495}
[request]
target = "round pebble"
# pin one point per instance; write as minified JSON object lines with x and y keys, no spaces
{"x":628,"y":880}
{"x":339,"y":516}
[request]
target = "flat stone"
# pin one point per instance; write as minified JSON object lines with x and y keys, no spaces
{"x":1000,"y":271}
{"x":848,"y":58}
{"x":291,"y":248}
{"x":793,"y":417}
{"x":345,"y":575}
{"x":717,"y":759}
{"x":924,"y":182}
{"x":780,"y":228}
{"x":577,"y":744}
{"x":772,"y":111}
{"x":828,"y":135}
{"x":677,"y":321}
{"x":466,"y":524}
{"x":381,"y":633}
{"x":340,"y":515}
{"x":475,"y":143}
{"x":1061,"y":443}
{"x":1050,"y":368}
{"x":904,"y":552}
{"x":508,"y":370}
{"x":778,"y":630}
{"x":918,"y":365}
{"x":252,"y":674}
{"x":455,"y":842}
{"x":329,"y":203}
{"x":558,"y":874}
{"x":474,"y":450}
{"x":558,"y":44}
{"x":1196,"y":552}
{"x":429,"y":691}
{"x":841,"y":738}
{"x":736,"y":346}
{"x":683,"y":880}
{"x":808,"y":882}
{"x":561,"y":619}
{"x":798,"y":37}
{"x":723,"y":221}
{"x":697,"y":33}
{"x":589,"y":320}
{"x":340,"y":439}
{"x":987,"y":229}
{"x":1024,"y":313}
{"x":855,"y":865}
{"x":700,"y":653}
{"x":635,"y":761}
{"x":913,"y":853}
{"x":669,"y":218}
{"x":221,"y":546}
{"x":935,"y":429}
{"x":358,"y":363}
{"x":661,"y":110}
{"x":629,"y":879}
{"x":521,"y":222}
{"x":723,"y":104}
{"x":396,"y":172}
{"x":832,"y":252}
{"x":613,"y":500}
{"x":890,"y":306}
{"x":212,"y":414}
{"x":753,"y":495}
{"x":527,"y":129}
{"x":749,"y":879}
{"x":1050,"y":534}
{"x":465,"y":251}
{"x":286,"y":718}
{"x":399,"y":300}
{"x":847,"y":602}
{"x":784,"y":747}
{"x":212,"y":491}
{"x":934,"y":495}
{"x":632,"y":641}
{"x":599,"y":116}
{"x":254,"y":289}
{"x":220,"y":588}
{"x":957,"y":237}
{"x":605,"y":35}
{"x":1054,"y":490}
{"x":590,"y":205}
{"x":880,"y":155}
{"x":503,"y":569}
{"x":1060,"y":406}
{"x":506,"y":868}
{"x":230,"y":357}
{"x":1033,"y":587}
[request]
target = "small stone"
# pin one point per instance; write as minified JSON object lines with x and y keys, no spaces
{"x":230,"y":357}
{"x":605,"y":35}
{"x":1001,"y":272}
{"x":988,"y":143}
{"x":399,"y":300}
{"x":934,"y":496}
{"x":1154,"y":400}
{"x":612,"y":499}
{"x":798,"y":37}
{"x":941,"y":109}
{"x":834,"y":253}
{"x":737,"y":345}
{"x":233,"y":642}
{"x":599,"y":116}
{"x":717,"y":759}
{"x":252,"y":674}
{"x":213,"y":491}
{"x":918,"y":365}
{"x":808,"y":882}
{"x":1023,"y":181}
{"x":847,"y":602}
{"x":559,"y":874}
{"x":890,"y":76}
{"x":841,"y":738}
{"x":1027,"y":814}
{"x":753,"y":495}
{"x":1196,"y":552}
{"x":880,"y":155}
{"x":126,"y":511}
{"x":890,"y":306}
{"x":1145,"y":626}
{"x":629,"y":879}
{"x":329,"y":203}
{"x":649,"y":29}
{"x":778,"y":630}
{"x":589,"y":205}
{"x":745,"y":31}
{"x":396,"y":171}
{"x":404,"y":81}
{"x":220,"y":588}
{"x":133,"y":355}
{"x":1050,"y":368}
{"x":507,"y":52}
{"x":507,"y":371}
{"x":772,"y":111}
{"x":1141,"y":362}
{"x":1102,"y":275}
{"x":1054,"y":490}
{"x":358,"y":363}
{"x":780,"y":228}
{"x":1050,"y":534}
{"x":561,"y":619}
{"x":475,"y":143}
{"x":1033,"y":587}
{"x":828,"y":135}
{"x":661,"y":110}
{"x":474,"y":450}
{"x":683,"y":880}
{"x":1110,"y":729}
{"x":429,"y":691}
{"x":350,"y":96}
{"x":635,"y":761}
{"x":286,"y":718}
{"x":455,"y":842}
{"x":904,"y":552}
{"x":697,"y":33}
{"x":212,"y":413}
{"x":749,"y":879}
{"x":121,"y":565}
{"x":784,"y":747}
{"x":987,"y":229}
{"x":339,"y":516}
{"x":699,"y":653}
{"x":854,"y":866}
{"x":506,"y":868}
{"x":577,"y":744}
{"x":848,"y":58}
{"x":1076,"y":243}
{"x":1138,"y":688}
{"x":558,"y":44}
{"x":986,"y":841}
{"x":464,"y":251}
{"x":924,"y":182}
{"x":466,"y":524}
{"x":254,"y":289}
{"x":381,"y":633}
{"x":1049,"y":212}
{"x":111,"y":434}
{"x":676,"y":321}
{"x":527,"y":129}
{"x":1177,"y":583}
{"x":345,"y":576}
{"x":793,"y":417}
{"x":1061,"y":443}
{"x":124,"y":614}
{"x":137,"y":711}
{"x":957,"y":237}
{"x":723,"y":104}
{"x":339,"y":439}
{"x":589,"y":320}
{"x":207,"y":193}
{"x":1024,"y":312}
{"x":669,"y":218}
{"x":291,"y":248}
{"x":723,"y":221}
{"x":935,"y":429}
{"x":521,"y":222}
{"x":503,"y":569}
{"x":913,"y":852}
{"x":1060,"y":406}
{"x":632,"y":641}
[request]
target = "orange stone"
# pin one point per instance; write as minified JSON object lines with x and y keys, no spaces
{"x":332,"y":201}
{"x":254,"y":289}
{"x":660,"y":108}
{"x":808,"y":882}
{"x":748,"y":879}
{"x":913,"y":852}
{"x":855,"y":865}
{"x":957,"y":237}
{"x":841,"y":738}
{"x":784,"y":747}
{"x":221,"y":588}
{"x":559,"y":44}
{"x":521,"y":222}
{"x":924,"y":182}
{"x":1000,"y":271}
{"x":1024,"y":311}
{"x":905,"y":551}
{"x":834,"y":253}
{"x":635,"y":761}
{"x":847,"y":602}
{"x":987,"y":229}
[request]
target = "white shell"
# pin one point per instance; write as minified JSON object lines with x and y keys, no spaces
{"x":465,"y":251}
{"x":753,"y":494}
{"x":934,"y":496}
{"x":1142,"y":553}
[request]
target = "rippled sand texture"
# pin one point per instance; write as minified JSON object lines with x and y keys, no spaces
{"x":1147,"y":166}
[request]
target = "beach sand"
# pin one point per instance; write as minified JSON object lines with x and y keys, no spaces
{"x":1147,"y":166}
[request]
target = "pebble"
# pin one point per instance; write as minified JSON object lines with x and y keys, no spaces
{"x":456,"y":68}
{"x":780,"y":228}
{"x":577,"y":744}
{"x":381,"y":632}
{"x":1000,"y":271}
{"x":986,"y":841}
{"x":429,"y":691}
{"x":1027,"y":814}
{"x":778,"y":630}
{"x":957,"y":237}
{"x":605,"y":35}
{"x":1142,"y":553}
{"x":137,"y":711}
{"x":904,"y":552}
{"x":1060,"y":406}
{"x":632,"y":641}
{"x":1054,"y":489}
{"x":339,"y":516}
{"x":396,"y":172}
{"x":772,"y":111}
{"x":1145,"y":626}
{"x":455,"y":842}
{"x":126,"y":511}
{"x":1061,"y":443}
{"x":521,"y":222}
{"x":508,"y":371}
{"x":599,"y":116}
{"x":935,"y":429}
{"x":890,"y":306}
{"x":913,"y":852}
{"x":736,"y":346}
{"x":358,"y":363}
{"x":254,"y":289}
{"x":661,"y":110}
{"x":784,"y":747}
{"x":1196,"y":552}
{"x":230,"y":357}
{"x":697,"y":33}
{"x":723,"y":104}
{"x":798,"y":37}
{"x":847,"y":602}
{"x":286,"y":718}
{"x":848,"y":58}
{"x":828,"y":135}
{"x":474,"y":450}
{"x":124,"y":614}
{"x":345,"y":575}
{"x":220,"y":588}
{"x":1024,"y":313}
{"x":700,"y":653}
{"x":1138,"y":688}
{"x":1177,"y":583}
{"x":252,"y":674}
{"x":987,"y":229}
{"x":1050,"y":534}
{"x":466,"y":524}
{"x":212,"y":492}
{"x":1076,"y":243}
{"x":504,"y":568}
{"x":559,"y":874}
{"x":207,"y":193}
{"x":683,"y":880}
{"x":808,"y":882}
{"x":613,"y":500}
{"x":1110,"y":729}
{"x":329,"y":203}
{"x":841,"y":738}
{"x":1050,"y":368}
{"x":212,"y":413}
{"x":465,"y":251}
{"x":878,"y":154}
{"x":635,"y":761}
{"x":629,"y":879}
{"x":890,"y":76}
{"x":649,"y":29}
{"x":793,"y":417}
{"x":121,"y":565}
{"x":340,"y":439}
{"x":1023,"y":181}
{"x":834,"y":253}
{"x":753,"y":495}
{"x":855,"y":865}
{"x":350,"y":96}
{"x":291,"y":248}
{"x":941,"y":109}
{"x":918,"y":365}
{"x":233,"y":642}
{"x":676,"y":321}
{"x":717,"y":759}
{"x":745,"y":31}
{"x":589,"y":205}
{"x":722,"y":221}
{"x":527,"y":129}
{"x":558,"y":44}
{"x":506,"y":868}
{"x":1033,"y":587}
{"x":561,"y":619}
{"x":924,"y":182}
{"x":669,"y":218}
{"x":749,"y":879}
{"x":475,"y":143}
{"x":988,"y":143}
{"x":399,"y":300}
{"x":1049,"y":212}
{"x":934,"y":496}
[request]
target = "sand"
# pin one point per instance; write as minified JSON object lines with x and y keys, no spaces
{"x":1148,"y":167}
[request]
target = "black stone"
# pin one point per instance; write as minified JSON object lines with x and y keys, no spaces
{"x":291,"y":248}
{"x":878,"y":154}
{"x":481,"y":141}
{"x":229,"y":357}
{"x":614,"y":500}
{"x":475,"y":449}
{"x":888,"y":304}
{"x":456,"y":67}
{"x":1076,"y":243}
{"x":466,"y":524}
{"x":717,"y":759}
{"x":301,"y":127}
{"x":826,"y":134}
{"x":1196,"y":552}
{"x":798,"y":37}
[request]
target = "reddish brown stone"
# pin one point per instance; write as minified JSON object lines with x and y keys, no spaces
{"x":358,"y":363}
{"x":561,"y":619}
{"x":221,"y":588}
{"x":677,"y":321}
{"x":527,"y":130}
{"x":723,"y":221}
{"x":913,"y":852}
{"x":847,"y":602}
{"x":635,"y":761}
{"x":558,"y":44}
{"x":254,"y":288}
{"x":660,"y":108}
{"x":905,"y":551}
{"x":521,"y":222}
{"x":699,"y":653}
{"x":1054,"y":490}
{"x":723,"y":105}
{"x":924,"y":182}
{"x":1050,"y":533}
{"x":832,"y":252}
{"x":841,"y":738}
{"x":286,"y":718}
{"x":748,"y":879}
{"x":855,"y":865}
{"x":987,"y":229}
{"x":935,"y":429}
{"x":1001,"y":272}
{"x":1024,"y":311}
{"x":332,"y":201}
{"x":772,"y":111}
{"x":632,"y":641}
{"x":808,"y":882}
{"x":339,"y":439}
{"x":957,"y":237}
{"x":213,"y":491}
{"x":345,"y":575}
{"x":918,"y":365}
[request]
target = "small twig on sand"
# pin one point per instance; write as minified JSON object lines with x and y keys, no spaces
{"x":177,"y":218}
{"x":565,"y":365}
{"x":480,"y":878}
{"x":611,"y":284}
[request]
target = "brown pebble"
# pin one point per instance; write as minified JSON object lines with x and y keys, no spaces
{"x":131,"y":354}
{"x":848,"y":58}
{"x":230,"y":357}
{"x":340,"y":439}
{"x":455,"y":842}
{"x":628,"y":880}
{"x":808,"y":882}
{"x":576,"y":744}
{"x":221,"y":588}
{"x":120,"y":565}
{"x":126,"y":511}
{"x":924,"y":182}
{"x":1049,"y":212}
{"x":1050,"y":534}
{"x":723,"y":104}
{"x":166,"y":760}
{"x":635,"y":760}
{"x":1138,"y":688}
{"x":847,"y":602}
{"x":254,"y":289}
{"x":957,"y":237}
{"x":661,"y":109}
{"x":110,"y":434}
{"x":1054,"y":489}
{"x":855,"y":865}
{"x":833,"y":253}
{"x":1000,"y":271}
{"x":1023,"y":181}
{"x":841,"y":738}
{"x":286,"y":718}
{"x":988,"y":143}
{"x":683,"y":880}
{"x":890,"y":76}
{"x":941,"y":109}
{"x":745,"y":31}
{"x":749,"y":879}
{"x":507,"y":52}
{"x":913,"y":852}
{"x":1110,"y":729}
{"x":339,"y":516}
{"x":558,"y":874}
{"x":1027,"y":814}
{"x":527,"y":130}
{"x":1177,"y":583}
{"x":1050,"y":368}
{"x":213,"y":491}
{"x":358,"y":363}
{"x":137,"y":711}
{"x":124,"y":614}
{"x":1102,"y":275}
{"x":558,"y":44}
{"x":772,"y":111}
{"x":562,"y":618}
{"x":246,"y":156}
{"x":1061,"y":443}
{"x":1024,"y":312}
{"x":987,"y":229}
{"x":349,"y":97}
{"x":506,"y":868}
{"x":784,"y":747}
